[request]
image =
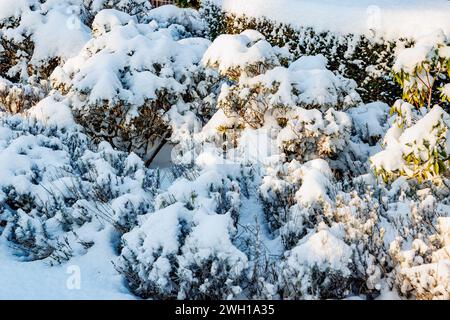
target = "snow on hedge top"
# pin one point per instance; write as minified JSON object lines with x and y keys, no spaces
{"x":390,"y":19}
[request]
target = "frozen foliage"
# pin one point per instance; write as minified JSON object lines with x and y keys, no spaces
{"x":302,"y":199}
{"x":248,"y":54}
{"x":137,"y":8}
{"x":150,"y":271}
{"x":54,"y":181}
{"x":184,"y":249}
{"x":417,"y":144}
{"x":317,"y":267}
{"x":422,"y":69}
{"x":18,"y":97}
{"x":366,"y":226}
{"x":260,"y":84}
{"x":131,"y":79}
{"x":31,"y":49}
{"x":271,"y":190}
{"x":188,"y":18}
{"x":423,"y":269}
{"x":417,"y":148}
{"x":311,"y":133}
{"x":300,"y":100}
{"x":370,"y":121}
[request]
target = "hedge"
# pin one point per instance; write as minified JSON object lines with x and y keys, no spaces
{"x":367,"y":61}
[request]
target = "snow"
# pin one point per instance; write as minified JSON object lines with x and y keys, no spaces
{"x":19,"y":155}
{"x":247,"y":49}
{"x":157,"y":239}
{"x":285,"y":207}
{"x":322,"y":249}
{"x":217,"y":120}
{"x":446,"y":90}
{"x":38,"y":281}
{"x":9,"y":8}
{"x":97,"y":69}
{"x":423,"y":129}
{"x":314,"y":83}
{"x":370,"y":119}
{"x":170,"y":14}
{"x":51,"y":44}
{"x":107,"y":19}
{"x":210,"y":234}
{"x":315,"y":175}
{"x":388,"y":19}
{"x":424,"y":48}
{"x":401,"y":143}
{"x":47,"y":43}
{"x":52,"y":113}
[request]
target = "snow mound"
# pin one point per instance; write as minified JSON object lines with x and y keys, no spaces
{"x":244,"y":51}
{"x":322,"y":249}
{"x":52,"y":113}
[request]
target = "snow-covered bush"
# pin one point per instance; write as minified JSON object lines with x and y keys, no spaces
{"x":211,"y":267}
{"x":292,"y":192}
{"x":187,"y":22}
{"x":25,"y":29}
{"x":296,"y":105}
{"x":148,"y":259}
{"x":268,"y":194}
{"x":193,"y":257}
{"x":129,"y":81}
{"x":310,"y":133}
{"x":423,"y":69}
{"x":260,"y":84}
{"x":248,"y":55}
{"x":30,"y":49}
{"x":416,"y":146}
{"x":392,"y":231}
{"x":54,"y":181}
{"x":376,"y":226}
{"x":136,"y":8}
{"x":317,"y":268}
{"x":18,"y":97}
{"x":423,"y":268}
{"x":370,"y":121}
{"x":362,"y":58}
{"x":358,"y":213}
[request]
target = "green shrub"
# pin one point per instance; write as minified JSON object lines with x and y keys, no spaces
{"x":188,"y":3}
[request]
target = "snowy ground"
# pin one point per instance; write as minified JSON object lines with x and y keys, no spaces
{"x":37,"y":280}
